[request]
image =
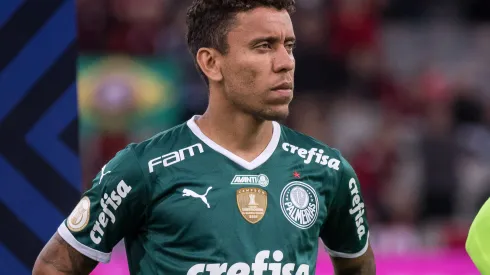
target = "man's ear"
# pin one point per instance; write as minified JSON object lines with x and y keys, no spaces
{"x":208,"y":60}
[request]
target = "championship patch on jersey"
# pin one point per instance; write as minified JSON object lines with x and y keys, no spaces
{"x":79,"y":217}
{"x":299,"y":203}
{"x":252,"y":203}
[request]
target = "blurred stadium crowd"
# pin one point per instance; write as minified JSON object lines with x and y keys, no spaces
{"x":399,"y":86}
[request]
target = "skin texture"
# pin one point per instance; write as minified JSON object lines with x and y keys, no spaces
{"x":58,"y":257}
{"x":363,"y":265}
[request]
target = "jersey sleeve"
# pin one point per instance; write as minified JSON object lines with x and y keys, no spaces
{"x":345,"y":232}
{"x":113,"y":208}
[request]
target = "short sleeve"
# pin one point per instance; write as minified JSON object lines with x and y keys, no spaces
{"x":345,"y":232}
{"x":113,"y":208}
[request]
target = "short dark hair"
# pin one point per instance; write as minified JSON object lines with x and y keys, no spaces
{"x":209,"y":21}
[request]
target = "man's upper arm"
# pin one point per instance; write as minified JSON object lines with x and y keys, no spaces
{"x":362,"y":265}
{"x":345,"y":232}
{"x":112,"y":209}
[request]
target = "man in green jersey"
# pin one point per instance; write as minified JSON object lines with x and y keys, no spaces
{"x":231,"y":191}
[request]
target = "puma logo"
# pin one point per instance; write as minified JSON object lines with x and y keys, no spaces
{"x":190,"y":193}
{"x":102,"y":174}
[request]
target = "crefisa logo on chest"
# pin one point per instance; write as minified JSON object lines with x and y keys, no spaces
{"x":299,"y":203}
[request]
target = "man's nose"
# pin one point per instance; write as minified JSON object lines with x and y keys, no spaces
{"x":283,"y":61}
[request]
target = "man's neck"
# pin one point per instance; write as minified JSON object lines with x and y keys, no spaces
{"x":240,"y":133}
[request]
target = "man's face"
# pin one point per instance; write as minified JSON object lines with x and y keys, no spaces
{"x":258,"y":70}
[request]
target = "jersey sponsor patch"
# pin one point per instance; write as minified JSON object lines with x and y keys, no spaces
{"x":252,"y":203}
{"x":261,"y":180}
{"x":175,"y":157}
{"x":313,"y":155}
{"x":260,"y":266}
{"x":299,"y":203}
{"x":80,"y":216}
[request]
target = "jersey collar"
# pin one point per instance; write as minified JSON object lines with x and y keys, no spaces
{"x":261,"y":159}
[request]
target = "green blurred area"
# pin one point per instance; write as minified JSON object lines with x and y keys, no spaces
{"x":135,"y":95}
{"x":124,"y":99}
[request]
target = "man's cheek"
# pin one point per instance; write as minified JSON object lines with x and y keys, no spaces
{"x":248,"y":78}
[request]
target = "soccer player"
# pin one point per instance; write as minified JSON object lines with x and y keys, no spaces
{"x":231,"y":191}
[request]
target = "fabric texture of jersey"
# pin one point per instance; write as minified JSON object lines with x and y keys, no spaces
{"x":185,"y":205}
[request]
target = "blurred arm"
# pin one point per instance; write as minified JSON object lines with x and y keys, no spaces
{"x":58,"y":257}
{"x":478,"y":241}
{"x":362,"y":265}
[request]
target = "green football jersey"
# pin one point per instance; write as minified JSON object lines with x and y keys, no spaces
{"x":185,"y":205}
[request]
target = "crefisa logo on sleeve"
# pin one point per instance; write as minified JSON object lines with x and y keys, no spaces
{"x":109,"y":204}
{"x":357,"y":208}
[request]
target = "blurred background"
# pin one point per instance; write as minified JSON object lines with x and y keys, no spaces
{"x":399,"y":86}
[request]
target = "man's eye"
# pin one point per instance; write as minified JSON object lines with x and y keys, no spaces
{"x":291,"y":46}
{"x":264,"y":46}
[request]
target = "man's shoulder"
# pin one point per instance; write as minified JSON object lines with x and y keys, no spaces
{"x":165,"y":141}
{"x":307,"y":142}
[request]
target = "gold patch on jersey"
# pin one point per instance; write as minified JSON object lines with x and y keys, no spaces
{"x":78,"y":219}
{"x":252,"y":203}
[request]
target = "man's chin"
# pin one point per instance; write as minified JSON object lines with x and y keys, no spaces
{"x":275,"y":115}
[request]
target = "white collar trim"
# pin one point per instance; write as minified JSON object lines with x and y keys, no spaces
{"x":259,"y":160}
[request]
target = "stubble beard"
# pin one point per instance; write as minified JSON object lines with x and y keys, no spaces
{"x":268,"y":111}
{"x":264,"y":111}
{"x":272,"y":115}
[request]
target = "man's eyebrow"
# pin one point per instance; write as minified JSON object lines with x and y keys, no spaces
{"x":271,"y":39}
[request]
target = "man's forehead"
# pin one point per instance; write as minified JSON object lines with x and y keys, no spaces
{"x":263,"y":21}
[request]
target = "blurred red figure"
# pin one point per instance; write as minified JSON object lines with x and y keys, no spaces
{"x":135,"y":25}
{"x":354,"y":24}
